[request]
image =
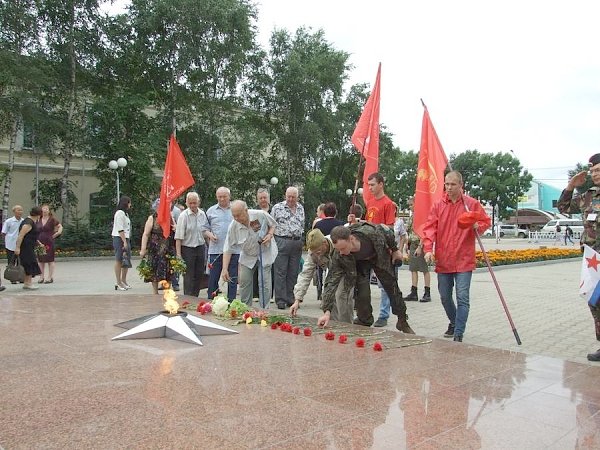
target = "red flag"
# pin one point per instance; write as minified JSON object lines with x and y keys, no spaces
{"x":177,"y":178}
{"x":430,"y":174}
{"x":366,"y":136}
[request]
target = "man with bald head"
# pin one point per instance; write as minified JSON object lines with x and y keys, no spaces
{"x":588,"y":204}
{"x":10,"y":231}
{"x":252,"y":232}
{"x":289,"y":215}
{"x":218,"y":219}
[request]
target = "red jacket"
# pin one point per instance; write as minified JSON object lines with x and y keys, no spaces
{"x":454,"y":246}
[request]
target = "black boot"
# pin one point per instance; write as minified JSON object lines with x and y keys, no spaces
{"x":594,"y":356}
{"x":597,"y":323}
{"x":402,"y":325}
{"x":427,"y":295}
{"x":412,"y":297}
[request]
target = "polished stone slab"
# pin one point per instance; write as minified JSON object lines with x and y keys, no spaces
{"x":66,"y":384}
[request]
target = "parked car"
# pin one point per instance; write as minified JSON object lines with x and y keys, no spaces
{"x":513,"y":231}
{"x":575,"y":224}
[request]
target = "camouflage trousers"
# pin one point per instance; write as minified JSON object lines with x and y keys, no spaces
{"x":595,"y":310}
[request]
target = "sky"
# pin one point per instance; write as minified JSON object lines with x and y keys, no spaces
{"x":520,"y":75}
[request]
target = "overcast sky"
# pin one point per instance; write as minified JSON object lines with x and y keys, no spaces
{"x":517,"y":75}
{"x":521,"y":75}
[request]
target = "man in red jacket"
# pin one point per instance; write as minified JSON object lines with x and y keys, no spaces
{"x":454,"y":249}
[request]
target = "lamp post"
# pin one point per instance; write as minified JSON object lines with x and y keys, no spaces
{"x":518,"y":189}
{"x":349,"y":192}
{"x":272,"y":182}
{"x":116,"y":165}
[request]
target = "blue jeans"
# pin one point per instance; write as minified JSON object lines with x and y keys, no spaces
{"x":384,"y":305}
{"x":459,"y":313}
{"x":215,"y":275}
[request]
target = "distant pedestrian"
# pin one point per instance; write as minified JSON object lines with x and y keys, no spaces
{"x":121,"y":243}
{"x":10,"y":231}
{"x":25,"y":247}
{"x":569,"y":235}
{"x":49,"y":229}
{"x":557,"y":234}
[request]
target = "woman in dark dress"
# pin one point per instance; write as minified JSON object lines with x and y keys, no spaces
{"x":158,"y":248}
{"x":49,"y":229}
{"x":25,"y":249}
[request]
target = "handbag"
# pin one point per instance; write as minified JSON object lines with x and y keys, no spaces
{"x":15,"y":271}
{"x":126,"y":259}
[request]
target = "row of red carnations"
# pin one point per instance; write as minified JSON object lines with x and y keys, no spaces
{"x":330,"y":335}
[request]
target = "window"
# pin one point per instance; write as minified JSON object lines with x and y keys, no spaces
{"x":28,"y":135}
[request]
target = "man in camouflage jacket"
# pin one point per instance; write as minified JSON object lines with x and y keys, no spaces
{"x":360,"y":248}
{"x":587,"y":204}
{"x":320,"y":255}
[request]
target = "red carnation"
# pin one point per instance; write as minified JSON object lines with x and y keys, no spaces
{"x":233,"y":313}
{"x":296,"y":330}
{"x":274,"y":326}
{"x":360,"y":342}
{"x":210,"y":265}
{"x":247,"y":314}
{"x":343,"y":339}
{"x":307,"y":331}
{"x":200,"y":307}
{"x":377,"y":347}
{"x":184,"y":304}
{"x":207,"y":308}
{"x":202,"y":303}
{"x":330,"y":335}
{"x":289,"y":328}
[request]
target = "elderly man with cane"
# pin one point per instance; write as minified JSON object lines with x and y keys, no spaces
{"x":251,"y":231}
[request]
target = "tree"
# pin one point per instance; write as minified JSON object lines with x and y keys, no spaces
{"x":307,"y":76}
{"x":493,"y":179}
{"x":71,"y":45}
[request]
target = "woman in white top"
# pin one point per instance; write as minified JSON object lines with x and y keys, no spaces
{"x":120,"y":235}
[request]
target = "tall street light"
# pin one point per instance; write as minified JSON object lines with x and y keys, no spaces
{"x":518,"y":189}
{"x":272,"y":182}
{"x":116,"y":165}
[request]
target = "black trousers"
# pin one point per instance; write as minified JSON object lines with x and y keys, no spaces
{"x":195,"y":262}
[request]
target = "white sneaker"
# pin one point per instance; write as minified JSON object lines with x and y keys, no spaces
{"x":30,"y":287}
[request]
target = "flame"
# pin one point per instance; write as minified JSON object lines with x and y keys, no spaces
{"x":170,"y":298}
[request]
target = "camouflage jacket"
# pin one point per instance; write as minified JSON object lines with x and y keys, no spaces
{"x":343,"y":267}
{"x":586,"y":204}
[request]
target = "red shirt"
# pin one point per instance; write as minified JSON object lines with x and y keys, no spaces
{"x":382,"y":210}
{"x":454,"y":246}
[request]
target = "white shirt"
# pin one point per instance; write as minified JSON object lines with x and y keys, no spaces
{"x":189,"y":228}
{"x":11,"y":231}
{"x":121,"y":223}
{"x":247,"y":237}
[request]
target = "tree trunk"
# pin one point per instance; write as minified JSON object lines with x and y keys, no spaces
{"x":69,"y":145}
{"x":11,"y":164}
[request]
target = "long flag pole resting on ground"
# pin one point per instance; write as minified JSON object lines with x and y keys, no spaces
{"x":366,"y":139}
{"x":177,"y":178}
{"x":430,"y":188}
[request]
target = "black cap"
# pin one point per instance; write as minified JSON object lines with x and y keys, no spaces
{"x":595,"y":159}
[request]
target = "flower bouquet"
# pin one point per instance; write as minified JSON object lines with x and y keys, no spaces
{"x":40,"y":249}
{"x":145,"y":269}
{"x":177,"y":264}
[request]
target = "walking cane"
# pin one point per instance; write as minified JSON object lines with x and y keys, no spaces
{"x":263,"y":303}
{"x":489,"y":266}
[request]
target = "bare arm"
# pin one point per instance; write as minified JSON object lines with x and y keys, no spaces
{"x":146,"y":235}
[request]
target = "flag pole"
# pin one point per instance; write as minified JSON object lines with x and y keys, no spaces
{"x":493,"y":275}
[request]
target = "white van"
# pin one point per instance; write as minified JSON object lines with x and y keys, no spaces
{"x":575,"y":224}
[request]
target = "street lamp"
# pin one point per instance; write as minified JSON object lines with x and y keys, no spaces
{"x":272,"y":182}
{"x":349,"y":192}
{"x":116,"y":165}
{"x":518,"y":189}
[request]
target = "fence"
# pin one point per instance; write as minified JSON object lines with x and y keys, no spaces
{"x":550,"y":236}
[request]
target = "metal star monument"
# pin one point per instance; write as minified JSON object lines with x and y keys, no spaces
{"x":180,"y":326}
